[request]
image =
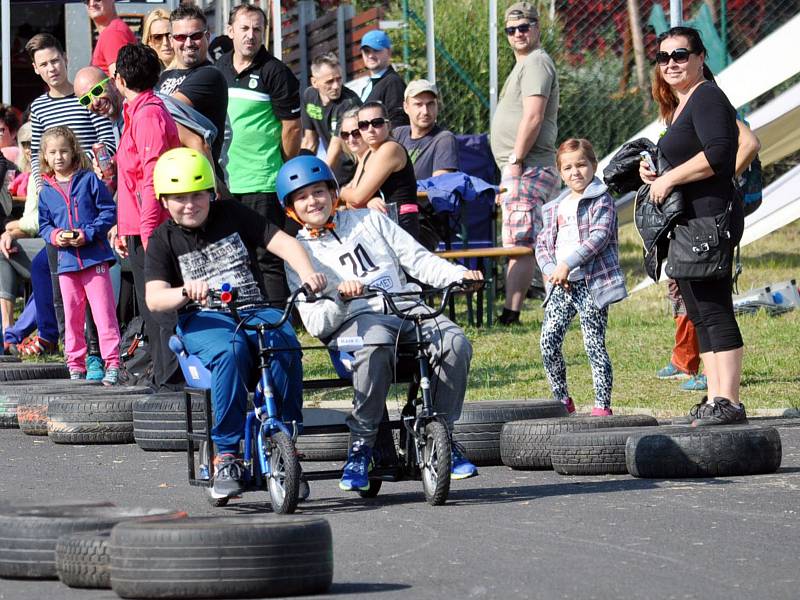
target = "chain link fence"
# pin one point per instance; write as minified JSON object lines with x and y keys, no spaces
{"x":605,"y":83}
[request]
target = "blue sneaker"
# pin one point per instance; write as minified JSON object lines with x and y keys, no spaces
{"x":355,"y":477}
{"x":462,"y":468}
{"x":696,"y":383}
{"x":672,"y":372}
{"x":94,"y":368}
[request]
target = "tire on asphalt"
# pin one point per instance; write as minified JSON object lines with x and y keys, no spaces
{"x":478,"y":429}
{"x":25,"y":371}
{"x":263,"y":557}
{"x":159,"y":421}
{"x":10,"y":360}
{"x":11,"y":391}
{"x":526,"y":444}
{"x":83,"y":560}
{"x":323,"y":446}
{"x":595,"y":452}
{"x":28,"y":537}
{"x":96,"y":419}
{"x":717,"y":451}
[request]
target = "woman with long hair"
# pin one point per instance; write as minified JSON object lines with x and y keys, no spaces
{"x":700,"y":146}
{"x":155,"y":33}
{"x":349,"y":140}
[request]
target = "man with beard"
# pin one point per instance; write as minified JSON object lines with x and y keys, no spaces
{"x":264,"y":115}
{"x":324,"y":103}
{"x":384,"y":85}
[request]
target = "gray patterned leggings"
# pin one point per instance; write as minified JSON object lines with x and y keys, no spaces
{"x":560,"y":310}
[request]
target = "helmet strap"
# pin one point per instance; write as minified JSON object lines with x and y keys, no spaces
{"x":314,"y":232}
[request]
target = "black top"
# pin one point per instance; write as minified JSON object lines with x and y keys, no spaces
{"x":324,"y":120}
{"x":389,"y":89}
{"x":401,"y":186}
{"x":707,"y":124}
{"x":223,"y":250}
{"x":206,"y":88}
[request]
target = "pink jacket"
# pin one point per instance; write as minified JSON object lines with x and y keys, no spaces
{"x":149,"y":131}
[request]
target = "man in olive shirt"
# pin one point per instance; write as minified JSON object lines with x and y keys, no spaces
{"x":264,"y":115}
{"x":523,"y":139}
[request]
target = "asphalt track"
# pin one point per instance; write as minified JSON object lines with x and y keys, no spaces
{"x":504,"y":534}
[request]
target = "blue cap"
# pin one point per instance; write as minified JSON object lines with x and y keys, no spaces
{"x":298,"y":173}
{"x":377,"y":40}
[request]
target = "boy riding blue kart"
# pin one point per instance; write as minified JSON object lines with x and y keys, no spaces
{"x":354,"y":249}
{"x":203,"y":245}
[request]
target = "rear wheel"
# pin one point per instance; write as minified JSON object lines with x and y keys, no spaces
{"x":283,"y":480}
{"x":204,"y":467}
{"x":437,"y":460}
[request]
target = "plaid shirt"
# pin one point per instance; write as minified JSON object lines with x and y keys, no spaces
{"x":598,"y":251}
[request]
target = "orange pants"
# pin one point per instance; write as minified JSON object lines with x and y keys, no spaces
{"x":686,"y":352}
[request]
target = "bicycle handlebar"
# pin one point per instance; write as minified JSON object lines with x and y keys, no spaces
{"x":446,"y":291}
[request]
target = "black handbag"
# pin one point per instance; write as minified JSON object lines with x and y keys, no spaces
{"x":702,"y":248}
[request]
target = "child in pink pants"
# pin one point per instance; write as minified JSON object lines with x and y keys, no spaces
{"x":76,"y":211}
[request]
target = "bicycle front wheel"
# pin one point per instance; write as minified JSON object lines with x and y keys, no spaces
{"x":437,"y":460}
{"x":283,"y":480}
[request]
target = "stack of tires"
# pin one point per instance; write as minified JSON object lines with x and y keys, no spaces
{"x":166,"y":554}
{"x":637,"y":445}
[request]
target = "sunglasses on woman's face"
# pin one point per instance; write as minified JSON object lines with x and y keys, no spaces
{"x":376,"y":123}
{"x":679,"y":55}
{"x":158,"y":38}
{"x":95,"y":92}
{"x":355,"y":134}
{"x":523,"y":28}
{"x":182,"y":37}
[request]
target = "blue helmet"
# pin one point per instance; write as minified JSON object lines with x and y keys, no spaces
{"x":300,"y":172}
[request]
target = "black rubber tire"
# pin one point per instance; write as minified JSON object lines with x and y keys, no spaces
{"x":25,"y":371}
{"x":14,"y":508}
{"x":323,"y":446}
{"x":478,"y":428}
{"x":264,"y":556}
{"x":5,"y":359}
{"x":12,"y":391}
{"x":28,"y":538}
{"x":526,"y":444}
{"x":94,"y":420}
{"x":716,"y":451}
{"x":437,"y":462}
{"x":83,"y":560}
{"x":595,"y":452}
{"x":159,"y":421}
{"x":284,"y":487}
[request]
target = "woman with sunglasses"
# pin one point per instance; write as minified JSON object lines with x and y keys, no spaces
{"x":349,"y":140}
{"x":385,"y":174}
{"x":155,"y":33}
{"x":700,"y":146}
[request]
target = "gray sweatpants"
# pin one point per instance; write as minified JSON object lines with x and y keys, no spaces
{"x":374,"y":368}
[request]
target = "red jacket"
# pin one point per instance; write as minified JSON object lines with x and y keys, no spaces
{"x":149,"y":131}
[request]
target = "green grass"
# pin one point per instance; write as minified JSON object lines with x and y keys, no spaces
{"x":507,"y":362}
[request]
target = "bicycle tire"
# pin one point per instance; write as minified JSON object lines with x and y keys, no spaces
{"x":437,"y":462}
{"x":283,"y":481}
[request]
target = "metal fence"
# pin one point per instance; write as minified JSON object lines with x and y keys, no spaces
{"x":605,"y":85}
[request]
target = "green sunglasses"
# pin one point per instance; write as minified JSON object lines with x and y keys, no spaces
{"x":95,"y":92}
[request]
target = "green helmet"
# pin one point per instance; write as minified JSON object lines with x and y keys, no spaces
{"x":182,"y":171}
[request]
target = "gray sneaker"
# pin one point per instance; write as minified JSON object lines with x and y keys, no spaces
{"x":228,"y":475}
{"x":701,"y":408}
{"x":722,"y":412}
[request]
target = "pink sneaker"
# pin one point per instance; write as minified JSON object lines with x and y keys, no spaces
{"x":601,"y":412}
{"x":569,"y":405}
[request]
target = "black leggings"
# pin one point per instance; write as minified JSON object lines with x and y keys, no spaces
{"x":710,"y":307}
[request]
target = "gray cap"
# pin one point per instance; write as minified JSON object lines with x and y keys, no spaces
{"x":522,"y":10}
{"x":419,"y":86}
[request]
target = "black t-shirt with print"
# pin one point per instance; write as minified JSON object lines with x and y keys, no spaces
{"x":223,"y":250}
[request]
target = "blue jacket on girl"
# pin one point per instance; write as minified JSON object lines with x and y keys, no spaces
{"x":87,"y":206}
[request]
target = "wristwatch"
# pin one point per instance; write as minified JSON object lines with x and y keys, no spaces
{"x":513,"y":160}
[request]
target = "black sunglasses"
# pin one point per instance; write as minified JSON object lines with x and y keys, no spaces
{"x":376,"y":123}
{"x":523,"y":28}
{"x":679,"y":55}
{"x":195,"y":37}
{"x":346,"y":135}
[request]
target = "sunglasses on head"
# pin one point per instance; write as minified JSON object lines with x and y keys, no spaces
{"x":679,"y":55}
{"x":95,"y":92}
{"x":160,"y":37}
{"x":346,"y":135}
{"x":195,"y":37}
{"x":523,"y":28}
{"x":376,"y":123}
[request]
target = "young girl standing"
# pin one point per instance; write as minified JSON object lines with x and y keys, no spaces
{"x":577,"y":253}
{"x":76,"y":212}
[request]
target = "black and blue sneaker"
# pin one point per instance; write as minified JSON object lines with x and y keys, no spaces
{"x":461,"y":468}
{"x":355,"y":477}
{"x":228,"y":476}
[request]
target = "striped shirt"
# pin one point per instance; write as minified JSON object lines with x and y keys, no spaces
{"x":89,"y":128}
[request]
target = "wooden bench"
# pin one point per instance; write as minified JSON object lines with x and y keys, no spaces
{"x":487,"y":263}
